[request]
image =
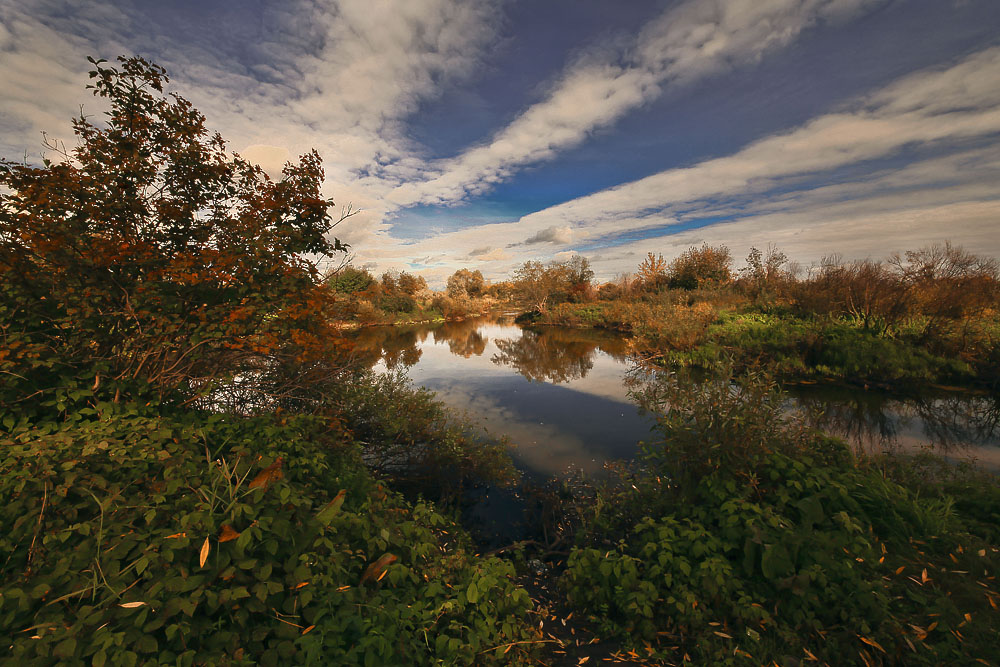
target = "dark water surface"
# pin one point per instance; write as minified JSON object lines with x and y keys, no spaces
{"x":561,"y":398}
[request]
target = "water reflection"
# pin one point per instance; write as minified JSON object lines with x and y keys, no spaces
{"x":556,"y":354}
{"x":559,"y":395}
{"x":952,"y":424}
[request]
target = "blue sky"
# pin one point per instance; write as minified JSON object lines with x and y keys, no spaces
{"x":484,"y":134}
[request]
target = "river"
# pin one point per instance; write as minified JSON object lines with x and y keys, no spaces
{"x":561,"y":398}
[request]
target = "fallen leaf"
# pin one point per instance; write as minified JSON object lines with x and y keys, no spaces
{"x":203,"y":556}
{"x":132,"y":605}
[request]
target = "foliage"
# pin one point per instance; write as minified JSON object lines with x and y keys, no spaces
{"x":135,"y":533}
{"x":466,"y":283}
{"x":538,"y":285}
{"x":408,"y":437}
{"x":152,"y":251}
{"x":652,"y":272}
{"x":751,"y":540}
{"x":182,"y":447}
{"x":707,"y":266}
{"x":933,"y":317}
{"x":764,"y":273}
{"x":349,"y":280}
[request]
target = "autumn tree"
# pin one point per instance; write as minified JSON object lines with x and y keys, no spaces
{"x":466,"y":283}
{"x":948,"y":284}
{"x":149,"y":253}
{"x":764,"y":271}
{"x":707,"y":266}
{"x":539,"y":284}
{"x":578,"y":276}
{"x":410,"y":284}
{"x":652,"y":272}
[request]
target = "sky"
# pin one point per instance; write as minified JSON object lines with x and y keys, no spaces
{"x":486,"y":133}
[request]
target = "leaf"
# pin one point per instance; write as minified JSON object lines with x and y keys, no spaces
{"x":330,"y":510}
{"x":472,"y":593}
{"x":203,"y":556}
{"x":376,"y":568}
{"x":775,"y":562}
{"x":227,"y":534}
{"x":132,"y":605}
{"x":268,"y":475}
{"x":871,"y":642}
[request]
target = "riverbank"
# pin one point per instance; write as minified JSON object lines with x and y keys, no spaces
{"x":711,"y":334}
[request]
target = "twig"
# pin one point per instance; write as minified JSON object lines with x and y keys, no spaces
{"x":38,"y":526}
{"x":527,"y":641}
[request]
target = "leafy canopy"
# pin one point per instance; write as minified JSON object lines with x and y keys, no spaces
{"x":151,"y":253}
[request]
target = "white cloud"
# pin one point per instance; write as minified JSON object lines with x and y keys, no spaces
{"x":947,"y":191}
{"x":688,"y":42}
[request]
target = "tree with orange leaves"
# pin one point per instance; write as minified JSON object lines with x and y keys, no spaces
{"x":150,"y":254}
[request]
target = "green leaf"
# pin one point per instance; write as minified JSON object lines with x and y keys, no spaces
{"x":331,"y":509}
{"x":66,"y":648}
{"x":775,"y":563}
{"x":472,"y":593}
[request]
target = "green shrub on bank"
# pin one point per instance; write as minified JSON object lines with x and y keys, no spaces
{"x":137,"y":533}
{"x":751,"y":539}
{"x":820,"y":348}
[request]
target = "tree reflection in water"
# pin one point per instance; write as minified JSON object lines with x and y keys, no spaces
{"x":950,"y":423}
{"x":878,"y":422}
{"x":463,"y":338}
{"x":398,"y":347}
{"x":555,"y":354}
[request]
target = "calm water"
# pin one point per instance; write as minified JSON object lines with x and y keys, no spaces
{"x":560,"y":396}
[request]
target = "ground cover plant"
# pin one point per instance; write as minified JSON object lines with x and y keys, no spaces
{"x":751,"y":539}
{"x":183,"y":440}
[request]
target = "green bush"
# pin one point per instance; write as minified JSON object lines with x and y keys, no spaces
{"x":750,"y":540}
{"x":138,"y":533}
{"x":398,"y":303}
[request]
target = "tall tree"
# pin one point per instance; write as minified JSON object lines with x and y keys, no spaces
{"x":150,"y":253}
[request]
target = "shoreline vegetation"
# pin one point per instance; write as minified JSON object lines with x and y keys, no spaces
{"x":195,"y":470}
{"x":927,"y":317}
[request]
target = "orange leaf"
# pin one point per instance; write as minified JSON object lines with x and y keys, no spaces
{"x":132,"y":605}
{"x":871,"y":642}
{"x":176,"y":536}
{"x":228,"y":534}
{"x":203,"y":556}
{"x":268,"y":475}
{"x":308,"y":629}
{"x":376,"y":568}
